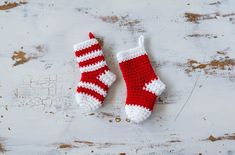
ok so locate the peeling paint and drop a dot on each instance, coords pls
(215, 3)
(174, 141)
(89, 143)
(44, 92)
(9, 5)
(196, 17)
(219, 138)
(196, 35)
(2, 148)
(221, 64)
(64, 146)
(20, 57)
(122, 21)
(97, 144)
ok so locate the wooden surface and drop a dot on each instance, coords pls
(191, 45)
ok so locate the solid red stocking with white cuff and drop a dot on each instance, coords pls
(96, 77)
(143, 85)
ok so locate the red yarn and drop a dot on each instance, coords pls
(96, 78)
(91, 35)
(136, 73)
(143, 85)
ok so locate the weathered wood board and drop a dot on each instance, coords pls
(191, 45)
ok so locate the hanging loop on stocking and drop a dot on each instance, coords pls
(91, 35)
(141, 41)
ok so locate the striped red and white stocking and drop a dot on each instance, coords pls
(96, 77)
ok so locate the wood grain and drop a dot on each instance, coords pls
(191, 47)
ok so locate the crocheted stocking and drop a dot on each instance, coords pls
(96, 78)
(143, 85)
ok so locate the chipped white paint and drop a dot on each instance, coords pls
(37, 98)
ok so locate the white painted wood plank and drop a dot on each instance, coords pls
(38, 112)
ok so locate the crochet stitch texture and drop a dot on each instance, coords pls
(143, 85)
(96, 77)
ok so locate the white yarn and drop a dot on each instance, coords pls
(137, 113)
(155, 86)
(85, 44)
(141, 41)
(132, 53)
(92, 67)
(93, 87)
(107, 78)
(89, 55)
(87, 102)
